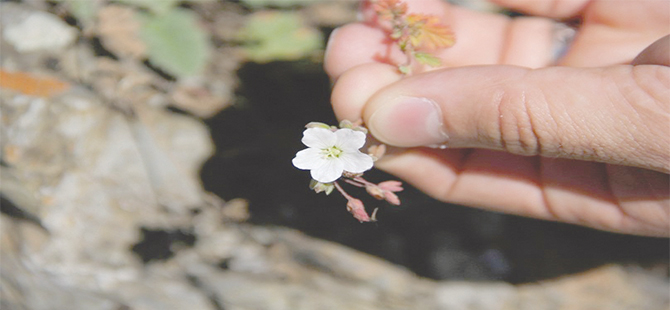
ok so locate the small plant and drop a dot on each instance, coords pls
(175, 42)
(333, 153)
(169, 36)
(277, 35)
(417, 35)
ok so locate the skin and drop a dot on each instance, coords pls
(584, 139)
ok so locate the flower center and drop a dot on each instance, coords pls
(332, 152)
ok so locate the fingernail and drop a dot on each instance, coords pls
(408, 122)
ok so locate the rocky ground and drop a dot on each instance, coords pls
(131, 184)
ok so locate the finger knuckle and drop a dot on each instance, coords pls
(524, 122)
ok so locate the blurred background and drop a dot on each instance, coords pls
(146, 164)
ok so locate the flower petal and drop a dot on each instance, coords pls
(308, 159)
(350, 140)
(329, 171)
(356, 162)
(319, 138)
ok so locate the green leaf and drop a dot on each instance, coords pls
(274, 35)
(175, 42)
(156, 6)
(83, 10)
(427, 59)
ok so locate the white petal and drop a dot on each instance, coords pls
(356, 162)
(350, 140)
(329, 171)
(308, 159)
(319, 138)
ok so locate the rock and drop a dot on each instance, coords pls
(468, 295)
(609, 287)
(32, 31)
(100, 175)
(203, 99)
(27, 286)
(119, 30)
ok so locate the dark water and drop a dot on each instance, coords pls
(257, 138)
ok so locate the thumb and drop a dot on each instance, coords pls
(617, 115)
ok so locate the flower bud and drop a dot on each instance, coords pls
(391, 198)
(375, 191)
(348, 124)
(317, 125)
(391, 186)
(351, 175)
(319, 187)
(356, 208)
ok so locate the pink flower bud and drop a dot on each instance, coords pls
(375, 191)
(356, 208)
(391, 198)
(391, 186)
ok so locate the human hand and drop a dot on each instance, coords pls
(586, 142)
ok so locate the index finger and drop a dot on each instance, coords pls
(481, 38)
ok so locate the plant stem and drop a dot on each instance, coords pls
(354, 183)
(364, 181)
(341, 190)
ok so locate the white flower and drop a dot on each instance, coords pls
(331, 153)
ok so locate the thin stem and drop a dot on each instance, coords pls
(354, 183)
(341, 190)
(364, 181)
(399, 25)
(409, 53)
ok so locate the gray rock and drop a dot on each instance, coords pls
(33, 31)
